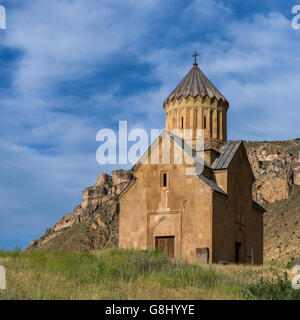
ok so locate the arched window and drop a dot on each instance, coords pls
(204, 123)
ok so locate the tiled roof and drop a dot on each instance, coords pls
(227, 152)
(194, 84)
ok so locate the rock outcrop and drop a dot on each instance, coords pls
(276, 166)
(94, 223)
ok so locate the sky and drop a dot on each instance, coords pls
(69, 68)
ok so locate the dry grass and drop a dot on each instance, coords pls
(248, 273)
(128, 274)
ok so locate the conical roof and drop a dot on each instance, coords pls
(194, 84)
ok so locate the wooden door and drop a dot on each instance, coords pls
(166, 245)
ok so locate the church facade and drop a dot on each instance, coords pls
(208, 216)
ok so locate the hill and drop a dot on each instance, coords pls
(93, 224)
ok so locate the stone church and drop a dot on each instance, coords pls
(208, 216)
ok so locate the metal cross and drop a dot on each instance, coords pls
(195, 55)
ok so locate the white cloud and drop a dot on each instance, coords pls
(208, 11)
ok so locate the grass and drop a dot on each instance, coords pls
(135, 274)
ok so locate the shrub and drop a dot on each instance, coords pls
(275, 289)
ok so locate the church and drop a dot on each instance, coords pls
(205, 217)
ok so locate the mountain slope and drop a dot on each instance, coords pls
(282, 229)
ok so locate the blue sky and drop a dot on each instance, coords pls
(71, 67)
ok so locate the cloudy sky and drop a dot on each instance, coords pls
(71, 67)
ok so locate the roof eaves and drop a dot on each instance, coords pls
(212, 184)
(127, 187)
(257, 206)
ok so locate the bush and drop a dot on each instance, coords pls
(275, 289)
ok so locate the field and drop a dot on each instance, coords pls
(134, 274)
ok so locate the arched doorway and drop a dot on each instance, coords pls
(164, 236)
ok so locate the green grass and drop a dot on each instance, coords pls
(134, 274)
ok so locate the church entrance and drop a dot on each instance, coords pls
(238, 247)
(166, 245)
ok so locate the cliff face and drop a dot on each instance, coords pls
(276, 166)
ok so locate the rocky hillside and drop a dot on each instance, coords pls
(94, 223)
(276, 166)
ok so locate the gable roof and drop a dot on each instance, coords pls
(191, 152)
(227, 152)
(195, 84)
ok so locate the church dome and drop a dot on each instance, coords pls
(194, 84)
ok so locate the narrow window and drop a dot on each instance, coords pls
(164, 180)
(164, 183)
(204, 123)
(182, 123)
